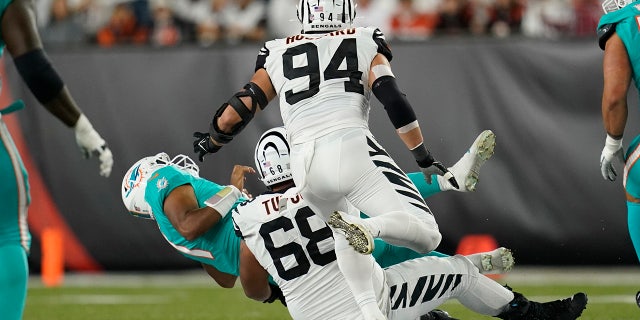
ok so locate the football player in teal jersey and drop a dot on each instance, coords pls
(19, 35)
(191, 212)
(618, 36)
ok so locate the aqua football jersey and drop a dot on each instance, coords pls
(3, 7)
(219, 246)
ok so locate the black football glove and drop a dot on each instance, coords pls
(276, 294)
(203, 145)
(430, 166)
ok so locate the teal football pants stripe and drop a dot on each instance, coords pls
(14, 275)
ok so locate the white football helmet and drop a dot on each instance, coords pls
(614, 5)
(134, 184)
(320, 16)
(272, 157)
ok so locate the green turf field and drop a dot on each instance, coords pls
(193, 296)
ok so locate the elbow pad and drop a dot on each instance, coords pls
(395, 102)
(258, 100)
(38, 73)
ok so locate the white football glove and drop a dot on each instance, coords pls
(91, 143)
(612, 151)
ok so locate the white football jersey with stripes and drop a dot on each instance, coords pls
(296, 247)
(322, 80)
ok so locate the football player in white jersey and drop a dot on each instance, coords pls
(324, 78)
(292, 244)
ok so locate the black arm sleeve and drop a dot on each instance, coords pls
(395, 102)
(38, 73)
(604, 33)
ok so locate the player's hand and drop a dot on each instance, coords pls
(91, 143)
(437, 168)
(276, 294)
(430, 167)
(238, 176)
(203, 145)
(611, 153)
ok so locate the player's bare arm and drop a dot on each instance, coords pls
(253, 277)
(238, 176)
(617, 79)
(224, 280)
(182, 209)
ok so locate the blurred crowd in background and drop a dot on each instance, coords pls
(167, 23)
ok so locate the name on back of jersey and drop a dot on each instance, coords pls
(342, 32)
(271, 205)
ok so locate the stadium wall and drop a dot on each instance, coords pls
(541, 194)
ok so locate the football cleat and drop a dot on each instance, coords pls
(467, 169)
(497, 261)
(638, 298)
(359, 238)
(566, 309)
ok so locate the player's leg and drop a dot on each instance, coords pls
(13, 281)
(377, 186)
(499, 260)
(631, 184)
(315, 171)
(358, 271)
(633, 221)
(466, 170)
(14, 235)
(420, 285)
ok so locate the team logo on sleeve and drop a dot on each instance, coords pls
(162, 183)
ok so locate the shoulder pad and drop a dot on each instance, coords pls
(383, 46)
(262, 57)
(604, 33)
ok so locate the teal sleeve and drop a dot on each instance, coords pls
(426, 190)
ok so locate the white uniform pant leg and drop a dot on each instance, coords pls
(351, 164)
(420, 285)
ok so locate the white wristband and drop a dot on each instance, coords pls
(224, 199)
(612, 145)
(83, 125)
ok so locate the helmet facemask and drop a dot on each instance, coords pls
(272, 157)
(187, 164)
(321, 16)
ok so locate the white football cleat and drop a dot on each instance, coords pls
(497, 261)
(358, 236)
(467, 169)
